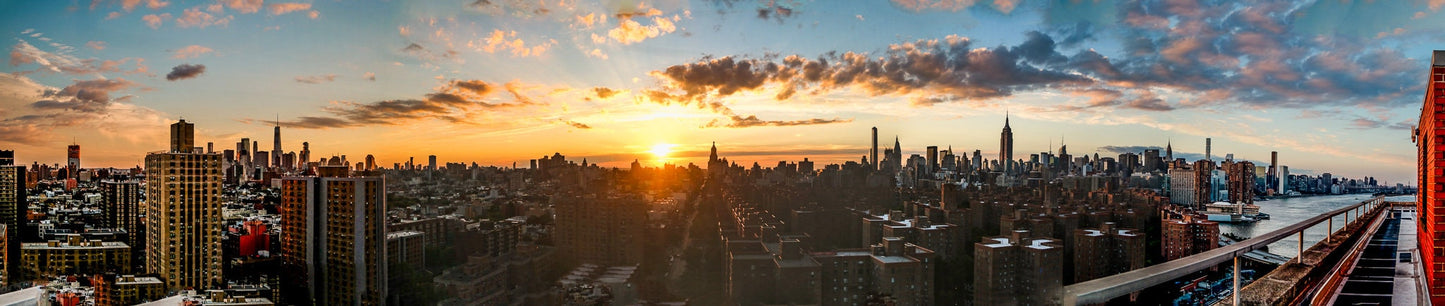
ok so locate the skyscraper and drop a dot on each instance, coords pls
(1006, 144)
(183, 215)
(123, 210)
(873, 154)
(12, 212)
(932, 159)
(431, 163)
(1169, 152)
(72, 160)
(897, 154)
(1208, 145)
(335, 237)
(305, 154)
(276, 148)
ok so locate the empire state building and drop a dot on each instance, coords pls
(1006, 145)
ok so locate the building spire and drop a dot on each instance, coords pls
(1005, 118)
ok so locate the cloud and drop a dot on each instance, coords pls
(925, 5)
(753, 121)
(283, 8)
(521, 8)
(191, 51)
(473, 87)
(604, 92)
(23, 53)
(313, 14)
(32, 114)
(154, 21)
(369, 76)
(630, 31)
(457, 102)
(185, 71)
(575, 124)
(776, 10)
(929, 71)
(316, 79)
(194, 17)
(243, 6)
(1362, 123)
(307, 122)
(423, 53)
(1005, 6)
(97, 45)
(84, 96)
(507, 41)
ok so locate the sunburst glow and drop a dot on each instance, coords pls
(661, 150)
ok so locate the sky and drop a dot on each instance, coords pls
(1333, 86)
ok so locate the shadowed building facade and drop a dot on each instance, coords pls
(1017, 270)
(334, 238)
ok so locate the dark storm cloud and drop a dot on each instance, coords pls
(1076, 34)
(185, 71)
(944, 71)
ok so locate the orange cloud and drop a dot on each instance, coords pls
(194, 17)
(154, 21)
(283, 8)
(244, 6)
(191, 51)
(629, 31)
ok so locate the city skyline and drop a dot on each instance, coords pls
(502, 82)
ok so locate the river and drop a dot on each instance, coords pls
(1284, 212)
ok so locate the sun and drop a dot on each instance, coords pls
(662, 149)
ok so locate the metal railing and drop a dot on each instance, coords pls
(1101, 290)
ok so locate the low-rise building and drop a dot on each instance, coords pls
(75, 256)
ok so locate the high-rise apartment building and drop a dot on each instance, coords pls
(1431, 149)
(12, 213)
(183, 213)
(602, 230)
(1105, 251)
(1017, 270)
(122, 209)
(334, 237)
(1188, 236)
(1241, 181)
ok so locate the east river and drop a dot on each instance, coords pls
(1284, 212)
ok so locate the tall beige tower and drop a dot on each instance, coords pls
(183, 213)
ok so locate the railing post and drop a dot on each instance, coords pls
(1330, 230)
(1236, 279)
(1300, 257)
